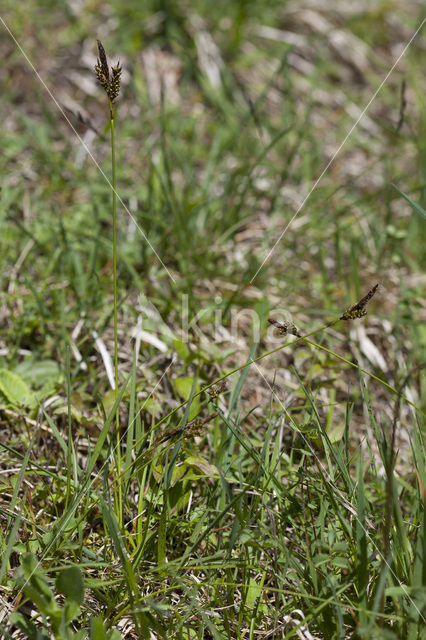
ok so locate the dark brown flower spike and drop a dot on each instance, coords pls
(195, 427)
(111, 85)
(102, 62)
(215, 391)
(358, 310)
(285, 327)
(114, 87)
(189, 430)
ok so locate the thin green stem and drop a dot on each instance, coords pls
(114, 268)
(69, 448)
(114, 240)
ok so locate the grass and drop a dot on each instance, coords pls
(258, 482)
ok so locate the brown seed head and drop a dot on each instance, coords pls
(195, 427)
(359, 310)
(114, 87)
(102, 62)
(285, 327)
(215, 391)
(111, 85)
(102, 79)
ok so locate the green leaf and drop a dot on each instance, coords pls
(108, 401)
(182, 350)
(15, 390)
(341, 562)
(177, 474)
(35, 586)
(38, 373)
(183, 387)
(27, 627)
(202, 465)
(336, 433)
(413, 204)
(254, 591)
(97, 629)
(70, 583)
(162, 538)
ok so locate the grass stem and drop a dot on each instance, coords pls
(119, 498)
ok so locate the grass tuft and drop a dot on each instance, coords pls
(221, 443)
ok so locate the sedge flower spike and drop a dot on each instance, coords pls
(359, 310)
(110, 82)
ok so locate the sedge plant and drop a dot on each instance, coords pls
(110, 82)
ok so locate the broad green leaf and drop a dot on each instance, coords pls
(28, 627)
(15, 391)
(254, 591)
(183, 387)
(70, 583)
(97, 629)
(35, 586)
(336, 433)
(202, 465)
(108, 401)
(38, 373)
(182, 350)
(177, 474)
